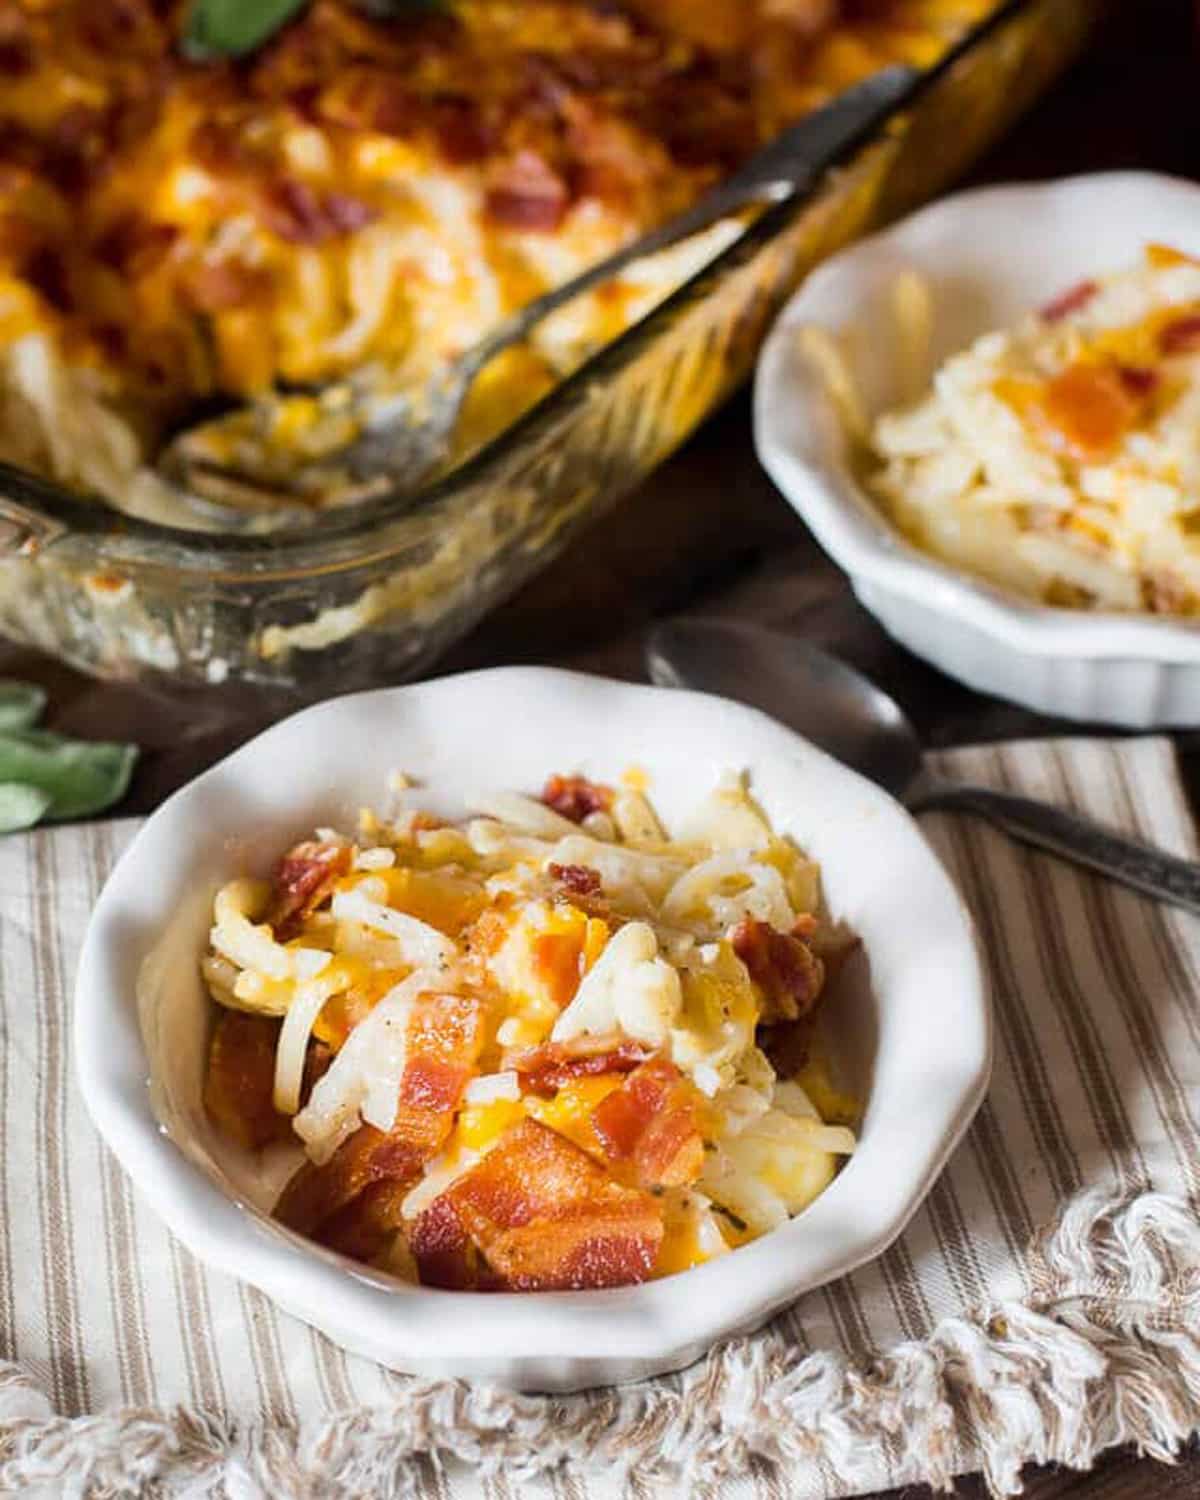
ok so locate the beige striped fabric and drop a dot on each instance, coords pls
(1043, 1304)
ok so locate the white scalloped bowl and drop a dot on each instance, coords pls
(989, 255)
(910, 1026)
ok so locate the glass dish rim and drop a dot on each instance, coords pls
(70, 516)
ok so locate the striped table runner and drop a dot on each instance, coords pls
(1043, 1304)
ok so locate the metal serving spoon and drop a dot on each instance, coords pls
(370, 435)
(845, 714)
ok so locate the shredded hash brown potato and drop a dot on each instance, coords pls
(363, 194)
(1060, 458)
(530, 1051)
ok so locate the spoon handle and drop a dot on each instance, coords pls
(1073, 837)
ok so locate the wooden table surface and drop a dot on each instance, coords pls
(713, 536)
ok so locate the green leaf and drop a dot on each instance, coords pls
(79, 777)
(21, 704)
(231, 28)
(21, 806)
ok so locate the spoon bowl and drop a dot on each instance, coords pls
(820, 697)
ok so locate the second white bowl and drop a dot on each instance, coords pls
(988, 255)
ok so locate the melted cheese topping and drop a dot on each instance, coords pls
(363, 194)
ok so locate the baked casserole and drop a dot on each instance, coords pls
(363, 193)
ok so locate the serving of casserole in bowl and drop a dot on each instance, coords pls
(548, 1047)
(1002, 453)
(551, 1090)
(362, 198)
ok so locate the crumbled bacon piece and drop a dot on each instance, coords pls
(463, 135)
(313, 1195)
(698, 128)
(240, 1082)
(582, 887)
(787, 1044)
(19, 236)
(785, 968)
(580, 880)
(1182, 336)
(137, 245)
(542, 1216)
(443, 1250)
(16, 58)
(368, 98)
(651, 1122)
(371, 98)
(296, 212)
(303, 879)
(78, 130)
(445, 1033)
(526, 193)
(365, 1226)
(545, 1069)
(16, 44)
(432, 1084)
(125, 25)
(1138, 380)
(47, 272)
(575, 797)
(1070, 301)
(609, 156)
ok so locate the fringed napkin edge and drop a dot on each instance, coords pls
(1104, 1352)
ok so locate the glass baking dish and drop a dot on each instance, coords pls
(376, 594)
